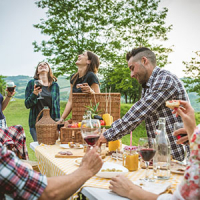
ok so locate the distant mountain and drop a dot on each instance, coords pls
(21, 82)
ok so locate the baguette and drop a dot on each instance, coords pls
(172, 104)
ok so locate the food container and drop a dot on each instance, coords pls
(130, 158)
(115, 145)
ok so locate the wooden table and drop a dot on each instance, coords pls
(51, 166)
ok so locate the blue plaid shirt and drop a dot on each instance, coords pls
(31, 101)
(161, 86)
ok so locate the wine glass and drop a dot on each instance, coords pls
(177, 126)
(39, 84)
(90, 130)
(147, 150)
(11, 87)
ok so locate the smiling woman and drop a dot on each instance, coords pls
(85, 80)
(48, 92)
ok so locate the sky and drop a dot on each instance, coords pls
(17, 34)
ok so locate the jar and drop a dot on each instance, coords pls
(130, 158)
(114, 145)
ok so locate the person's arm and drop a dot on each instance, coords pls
(31, 94)
(124, 187)
(91, 90)
(68, 106)
(64, 186)
(7, 99)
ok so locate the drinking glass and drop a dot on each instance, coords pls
(147, 150)
(11, 87)
(39, 84)
(90, 130)
(177, 126)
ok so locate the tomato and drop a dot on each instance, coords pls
(102, 122)
(75, 125)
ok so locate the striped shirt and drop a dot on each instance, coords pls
(161, 86)
(31, 101)
(16, 181)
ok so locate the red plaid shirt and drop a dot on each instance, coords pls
(15, 135)
(16, 181)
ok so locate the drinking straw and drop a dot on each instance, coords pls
(131, 138)
(110, 100)
(106, 102)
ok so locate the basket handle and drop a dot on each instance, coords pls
(38, 115)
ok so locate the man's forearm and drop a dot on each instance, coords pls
(64, 186)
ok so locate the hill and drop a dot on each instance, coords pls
(21, 82)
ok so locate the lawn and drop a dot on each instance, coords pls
(16, 113)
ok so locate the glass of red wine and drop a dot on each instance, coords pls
(179, 125)
(11, 88)
(39, 84)
(147, 150)
(90, 130)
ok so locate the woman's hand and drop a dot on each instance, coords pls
(86, 88)
(10, 94)
(187, 114)
(36, 90)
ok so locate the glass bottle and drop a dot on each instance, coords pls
(130, 158)
(162, 159)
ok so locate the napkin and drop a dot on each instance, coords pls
(156, 188)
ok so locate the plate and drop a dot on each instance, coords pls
(78, 161)
(175, 166)
(66, 146)
(120, 156)
(109, 165)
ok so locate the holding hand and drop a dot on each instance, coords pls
(37, 90)
(187, 114)
(91, 162)
(86, 88)
(10, 93)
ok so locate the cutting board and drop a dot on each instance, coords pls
(77, 153)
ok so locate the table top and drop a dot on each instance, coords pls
(51, 166)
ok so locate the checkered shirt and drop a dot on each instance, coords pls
(15, 135)
(161, 86)
(3, 123)
(16, 181)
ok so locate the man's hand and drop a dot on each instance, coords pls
(91, 162)
(101, 140)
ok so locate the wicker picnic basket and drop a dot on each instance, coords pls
(46, 128)
(79, 101)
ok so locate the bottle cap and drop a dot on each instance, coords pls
(129, 148)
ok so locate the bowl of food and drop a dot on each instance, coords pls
(110, 170)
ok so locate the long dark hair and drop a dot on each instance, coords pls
(92, 67)
(51, 77)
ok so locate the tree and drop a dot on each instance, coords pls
(2, 85)
(110, 28)
(192, 79)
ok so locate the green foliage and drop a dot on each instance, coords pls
(94, 109)
(2, 85)
(192, 79)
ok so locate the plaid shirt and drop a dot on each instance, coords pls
(31, 101)
(16, 181)
(161, 86)
(15, 135)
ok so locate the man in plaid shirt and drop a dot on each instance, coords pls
(159, 86)
(19, 182)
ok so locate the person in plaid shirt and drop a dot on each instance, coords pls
(159, 85)
(50, 93)
(19, 182)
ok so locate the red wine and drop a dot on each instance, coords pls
(10, 89)
(147, 154)
(92, 139)
(38, 85)
(59, 126)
